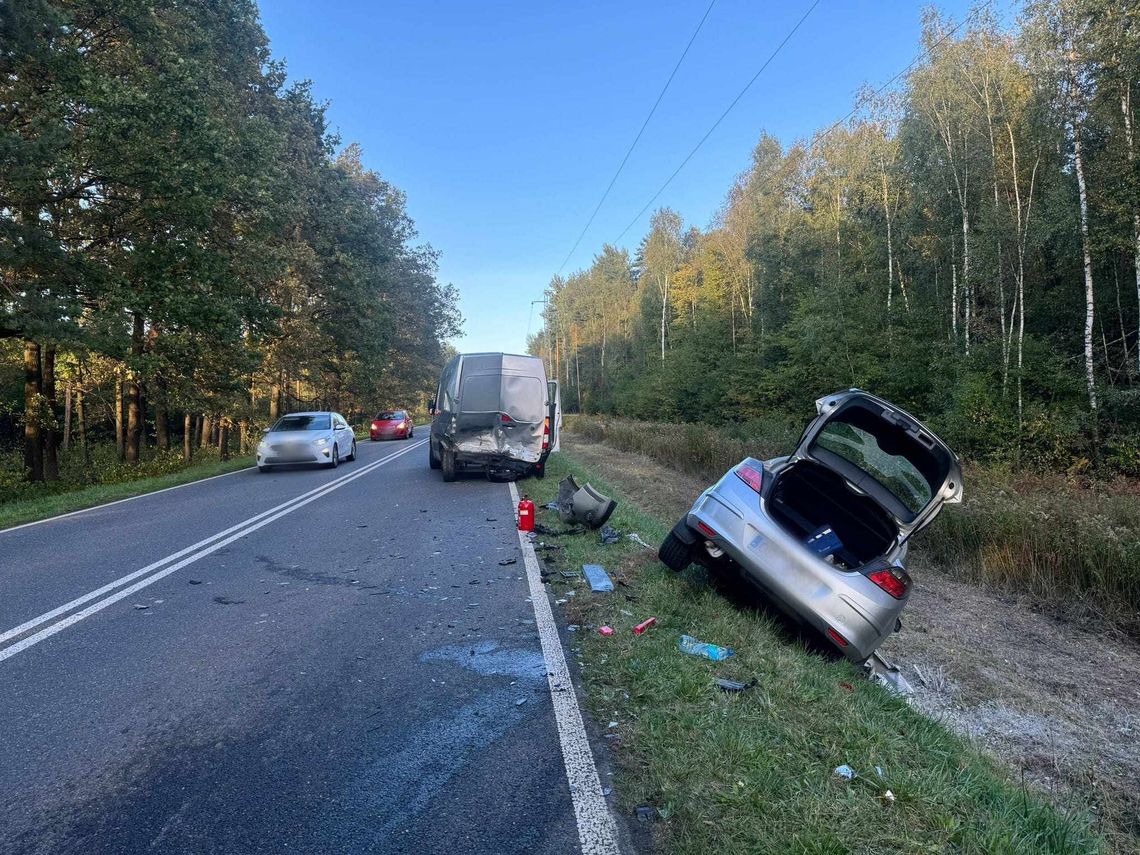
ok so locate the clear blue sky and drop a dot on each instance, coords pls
(503, 122)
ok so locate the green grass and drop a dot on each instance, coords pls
(753, 773)
(35, 508)
(1055, 538)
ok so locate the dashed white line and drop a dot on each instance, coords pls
(597, 833)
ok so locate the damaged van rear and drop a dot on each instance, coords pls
(494, 413)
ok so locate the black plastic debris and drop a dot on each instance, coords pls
(609, 535)
(194, 581)
(645, 813)
(226, 601)
(733, 685)
(505, 561)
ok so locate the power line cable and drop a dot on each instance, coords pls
(716, 124)
(633, 144)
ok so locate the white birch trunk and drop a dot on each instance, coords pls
(1090, 379)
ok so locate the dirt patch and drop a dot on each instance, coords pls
(1055, 702)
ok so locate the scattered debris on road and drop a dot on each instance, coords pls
(141, 606)
(598, 578)
(645, 813)
(880, 670)
(609, 535)
(606, 630)
(636, 538)
(583, 505)
(503, 562)
(644, 625)
(733, 685)
(846, 772)
(194, 581)
(690, 645)
(227, 601)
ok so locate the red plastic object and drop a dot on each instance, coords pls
(606, 630)
(644, 625)
(526, 514)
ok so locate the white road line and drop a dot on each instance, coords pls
(235, 532)
(597, 833)
(120, 501)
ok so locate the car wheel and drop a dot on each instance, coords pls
(433, 460)
(447, 463)
(262, 468)
(674, 553)
(352, 456)
(335, 461)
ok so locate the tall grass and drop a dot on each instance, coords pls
(1053, 538)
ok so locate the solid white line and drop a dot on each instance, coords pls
(245, 528)
(120, 501)
(597, 833)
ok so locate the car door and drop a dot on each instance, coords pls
(343, 435)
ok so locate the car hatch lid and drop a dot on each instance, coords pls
(886, 453)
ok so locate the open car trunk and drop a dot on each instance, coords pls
(815, 505)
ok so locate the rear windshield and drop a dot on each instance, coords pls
(522, 398)
(390, 415)
(886, 452)
(317, 422)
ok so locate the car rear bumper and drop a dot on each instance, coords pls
(822, 595)
(390, 433)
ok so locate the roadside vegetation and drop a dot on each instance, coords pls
(186, 250)
(754, 771)
(1069, 542)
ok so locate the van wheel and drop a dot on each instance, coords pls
(540, 472)
(674, 553)
(433, 458)
(447, 464)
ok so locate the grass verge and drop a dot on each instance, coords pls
(754, 772)
(41, 507)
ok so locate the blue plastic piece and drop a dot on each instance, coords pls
(824, 542)
(597, 577)
(715, 652)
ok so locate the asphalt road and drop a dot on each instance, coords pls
(360, 674)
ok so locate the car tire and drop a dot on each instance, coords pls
(335, 461)
(262, 469)
(447, 464)
(433, 459)
(352, 456)
(674, 553)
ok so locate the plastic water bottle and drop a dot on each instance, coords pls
(715, 652)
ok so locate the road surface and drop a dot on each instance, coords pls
(352, 670)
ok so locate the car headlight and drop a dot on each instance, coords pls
(324, 440)
(262, 447)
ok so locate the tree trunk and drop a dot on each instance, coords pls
(1086, 246)
(81, 417)
(33, 441)
(134, 395)
(67, 400)
(161, 427)
(1126, 109)
(274, 402)
(187, 437)
(224, 439)
(50, 433)
(207, 431)
(243, 436)
(120, 425)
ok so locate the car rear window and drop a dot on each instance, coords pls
(886, 453)
(389, 415)
(315, 422)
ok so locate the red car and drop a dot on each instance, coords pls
(392, 424)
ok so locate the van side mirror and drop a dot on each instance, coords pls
(431, 407)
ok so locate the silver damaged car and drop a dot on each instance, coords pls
(824, 532)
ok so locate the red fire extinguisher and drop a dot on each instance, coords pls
(526, 514)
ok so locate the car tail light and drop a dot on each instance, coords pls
(751, 475)
(505, 419)
(894, 580)
(708, 531)
(546, 433)
(836, 637)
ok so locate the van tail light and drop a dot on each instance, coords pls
(894, 580)
(546, 433)
(751, 475)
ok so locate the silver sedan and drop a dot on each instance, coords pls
(318, 437)
(824, 531)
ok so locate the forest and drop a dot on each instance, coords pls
(186, 251)
(966, 244)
